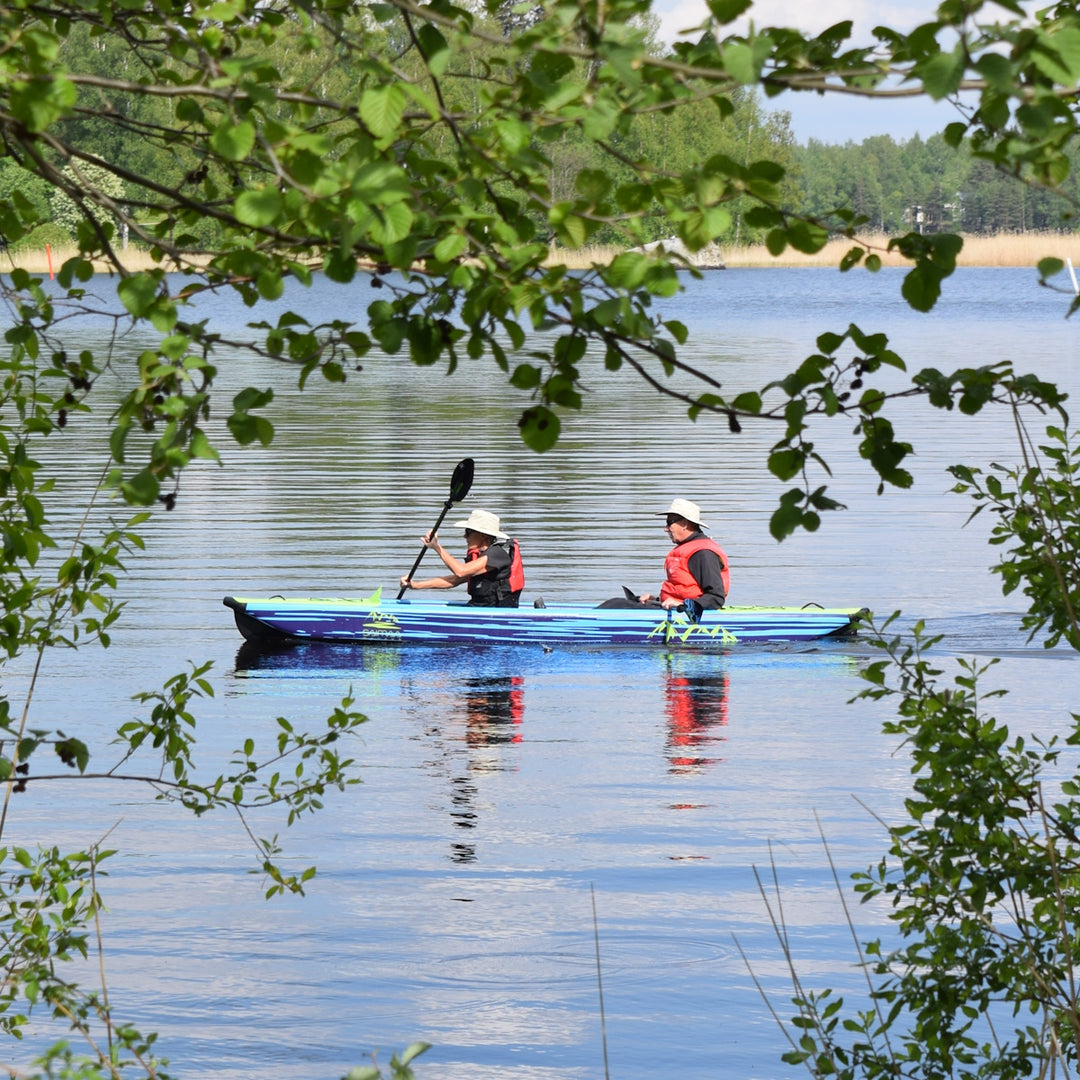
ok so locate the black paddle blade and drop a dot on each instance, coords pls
(462, 479)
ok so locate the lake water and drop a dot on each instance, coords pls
(504, 788)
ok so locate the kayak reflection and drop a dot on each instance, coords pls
(695, 707)
(489, 713)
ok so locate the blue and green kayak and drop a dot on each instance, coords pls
(375, 621)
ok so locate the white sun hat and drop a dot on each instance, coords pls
(688, 510)
(482, 521)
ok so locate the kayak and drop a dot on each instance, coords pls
(375, 621)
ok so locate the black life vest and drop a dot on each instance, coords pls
(497, 587)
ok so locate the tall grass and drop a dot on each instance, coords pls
(41, 261)
(1006, 249)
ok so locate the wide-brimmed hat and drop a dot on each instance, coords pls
(482, 521)
(686, 509)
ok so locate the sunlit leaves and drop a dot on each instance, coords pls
(233, 141)
(942, 73)
(259, 207)
(381, 109)
(39, 103)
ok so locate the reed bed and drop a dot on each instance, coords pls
(40, 261)
(1012, 249)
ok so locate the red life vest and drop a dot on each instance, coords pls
(497, 588)
(680, 583)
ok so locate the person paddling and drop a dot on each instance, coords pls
(492, 570)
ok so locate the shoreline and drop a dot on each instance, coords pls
(1003, 250)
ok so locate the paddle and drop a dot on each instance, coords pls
(460, 483)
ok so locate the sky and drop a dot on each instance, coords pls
(831, 118)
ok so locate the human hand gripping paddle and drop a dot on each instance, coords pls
(460, 483)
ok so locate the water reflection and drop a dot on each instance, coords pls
(490, 711)
(494, 709)
(696, 706)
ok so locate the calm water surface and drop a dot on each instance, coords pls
(502, 787)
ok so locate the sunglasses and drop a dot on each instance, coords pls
(672, 519)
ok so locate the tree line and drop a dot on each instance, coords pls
(891, 185)
(924, 185)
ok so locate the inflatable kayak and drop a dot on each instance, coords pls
(374, 621)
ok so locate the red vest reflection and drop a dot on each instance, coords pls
(494, 709)
(695, 707)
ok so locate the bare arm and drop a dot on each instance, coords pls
(459, 571)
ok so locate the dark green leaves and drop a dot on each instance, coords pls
(727, 11)
(246, 428)
(935, 259)
(539, 428)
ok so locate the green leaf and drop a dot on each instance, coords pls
(1049, 267)
(726, 11)
(414, 1050)
(72, 752)
(233, 141)
(382, 108)
(941, 74)
(393, 223)
(138, 293)
(786, 518)
(202, 448)
(435, 49)
(1057, 55)
(142, 489)
(258, 208)
(39, 104)
(739, 63)
(252, 398)
(921, 286)
(784, 463)
(525, 377)
(539, 428)
(450, 247)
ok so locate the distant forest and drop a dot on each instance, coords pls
(917, 185)
(925, 186)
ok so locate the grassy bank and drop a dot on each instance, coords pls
(1014, 249)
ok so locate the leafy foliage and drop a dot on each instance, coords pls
(442, 150)
(1037, 508)
(980, 877)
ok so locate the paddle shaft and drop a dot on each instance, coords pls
(416, 565)
(460, 483)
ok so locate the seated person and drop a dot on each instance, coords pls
(492, 570)
(696, 567)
